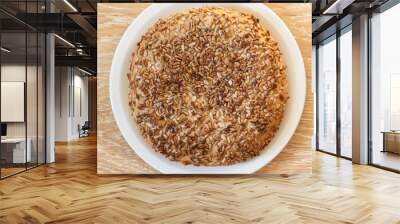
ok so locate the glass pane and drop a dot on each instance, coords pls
(13, 89)
(314, 82)
(41, 99)
(31, 100)
(327, 96)
(22, 89)
(346, 93)
(385, 114)
(32, 88)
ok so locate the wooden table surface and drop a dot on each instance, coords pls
(114, 156)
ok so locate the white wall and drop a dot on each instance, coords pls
(71, 87)
(80, 109)
(12, 73)
(33, 127)
(50, 95)
(62, 81)
(13, 101)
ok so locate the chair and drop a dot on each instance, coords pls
(84, 130)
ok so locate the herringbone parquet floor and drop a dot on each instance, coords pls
(69, 191)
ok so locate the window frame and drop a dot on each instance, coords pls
(337, 35)
(27, 29)
(381, 9)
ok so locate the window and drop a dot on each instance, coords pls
(394, 116)
(314, 91)
(22, 77)
(346, 92)
(385, 89)
(327, 96)
(334, 106)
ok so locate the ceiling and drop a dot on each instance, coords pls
(332, 15)
(76, 22)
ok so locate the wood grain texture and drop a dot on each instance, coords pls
(70, 191)
(115, 155)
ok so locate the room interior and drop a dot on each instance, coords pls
(25, 68)
(22, 102)
(334, 77)
(49, 124)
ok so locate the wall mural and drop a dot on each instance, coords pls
(204, 88)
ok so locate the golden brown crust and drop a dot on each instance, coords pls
(208, 86)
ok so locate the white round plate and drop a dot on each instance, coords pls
(119, 88)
